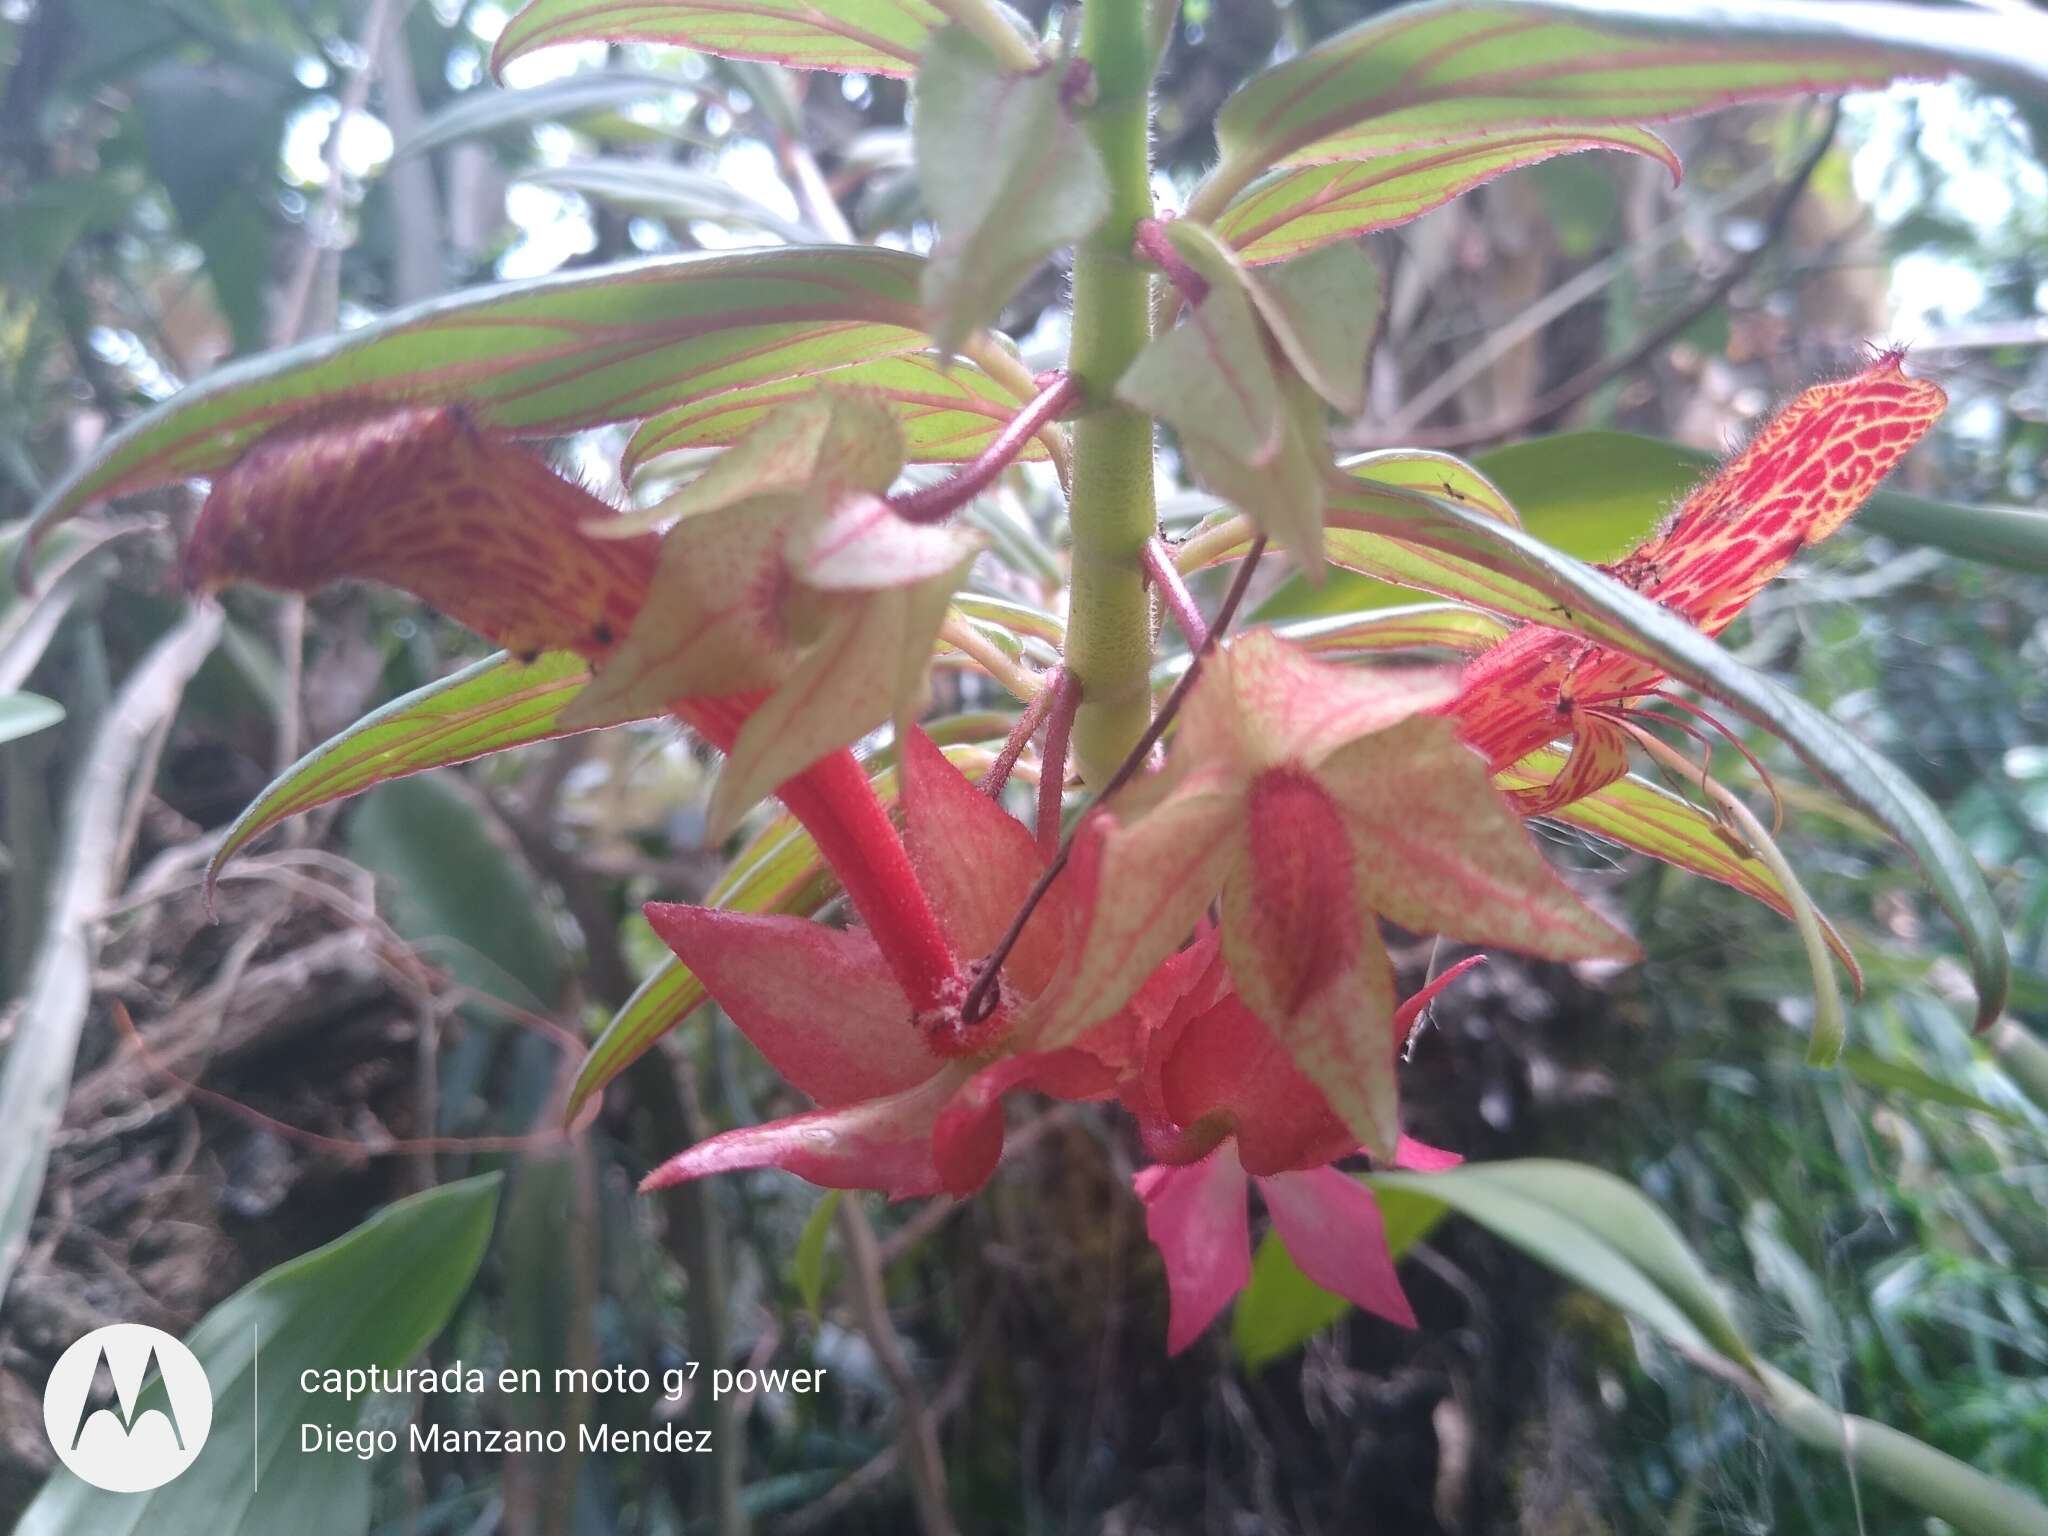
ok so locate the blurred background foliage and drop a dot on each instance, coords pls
(187, 181)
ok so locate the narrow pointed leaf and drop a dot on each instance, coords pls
(483, 111)
(1300, 209)
(1452, 71)
(496, 704)
(1602, 1233)
(1006, 171)
(542, 357)
(23, 714)
(663, 190)
(946, 415)
(1901, 1077)
(1595, 1229)
(876, 37)
(1444, 626)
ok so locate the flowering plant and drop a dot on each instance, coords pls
(1191, 924)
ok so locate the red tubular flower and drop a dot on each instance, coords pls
(425, 500)
(1227, 1109)
(908, 1113)
(1805, 475)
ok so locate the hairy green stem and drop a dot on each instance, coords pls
(1109, 627)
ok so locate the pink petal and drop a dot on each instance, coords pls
(1195, 1215)
(1441, 852)
(1305, 951)
(967, 1139)
(883, 1144)
(862, 545)
(819, 1003)
(1423, 1158)
(1228, 1065)
(1262, 702)
(1331, 1225)
(977, 862)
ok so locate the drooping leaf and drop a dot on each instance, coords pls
(1602, 1233)
(453, 888)
(1297, 210)
(1591, 1227)
(373, 1298)
(1624, 482)
(1900, 1077)
(495, 704)
(23, 714)
(876, 37)
(1007, 173)
(947, 414)
(663, 190)
(547, 356)
(482, 111)
(1449, 72)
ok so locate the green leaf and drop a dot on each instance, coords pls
(877, 37)
(1463, 555)
(1450, 72)
(1595, 1229)
(666, 191)
(483, 111)
(1297, 210)
(1281, 1309)
(808, 1266)
(1900, 1077)
(485, 708)
(451, 886)
(23, 714)
(1614, 486)
(1444, 626)
(542, 357)
(1373, 572)
(373, 1298)
(1007, 173)
(947, 414)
